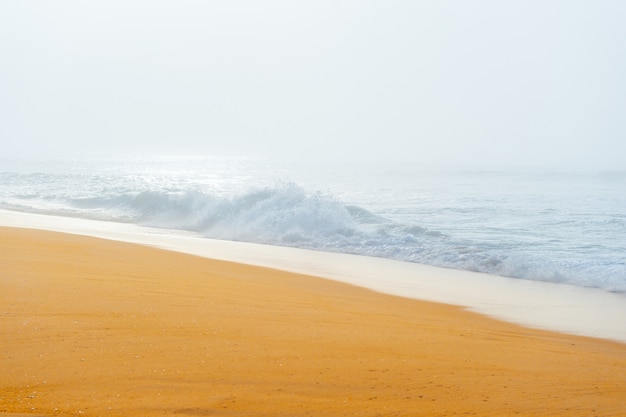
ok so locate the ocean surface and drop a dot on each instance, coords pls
(543, 225)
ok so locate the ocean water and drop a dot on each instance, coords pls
(567, 227)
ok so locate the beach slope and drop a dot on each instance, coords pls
(94, 327)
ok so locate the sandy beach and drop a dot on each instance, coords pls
(101, 328)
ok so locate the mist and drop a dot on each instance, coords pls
(437, 83)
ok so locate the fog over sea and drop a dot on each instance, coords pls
(558, 226)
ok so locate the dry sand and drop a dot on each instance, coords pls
(90, 327)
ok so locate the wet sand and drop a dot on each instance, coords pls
(101, 328)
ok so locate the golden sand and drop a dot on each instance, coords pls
(91, 327)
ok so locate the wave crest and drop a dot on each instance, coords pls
(267, 215)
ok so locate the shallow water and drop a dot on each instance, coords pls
(537, 225)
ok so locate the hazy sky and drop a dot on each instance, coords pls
(493, 82)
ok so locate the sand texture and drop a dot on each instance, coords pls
(90, 327)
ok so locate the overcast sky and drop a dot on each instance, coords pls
(492, 82)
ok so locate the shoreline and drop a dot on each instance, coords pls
(108, 328)
(550, 306)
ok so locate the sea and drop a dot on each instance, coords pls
(531, 224)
